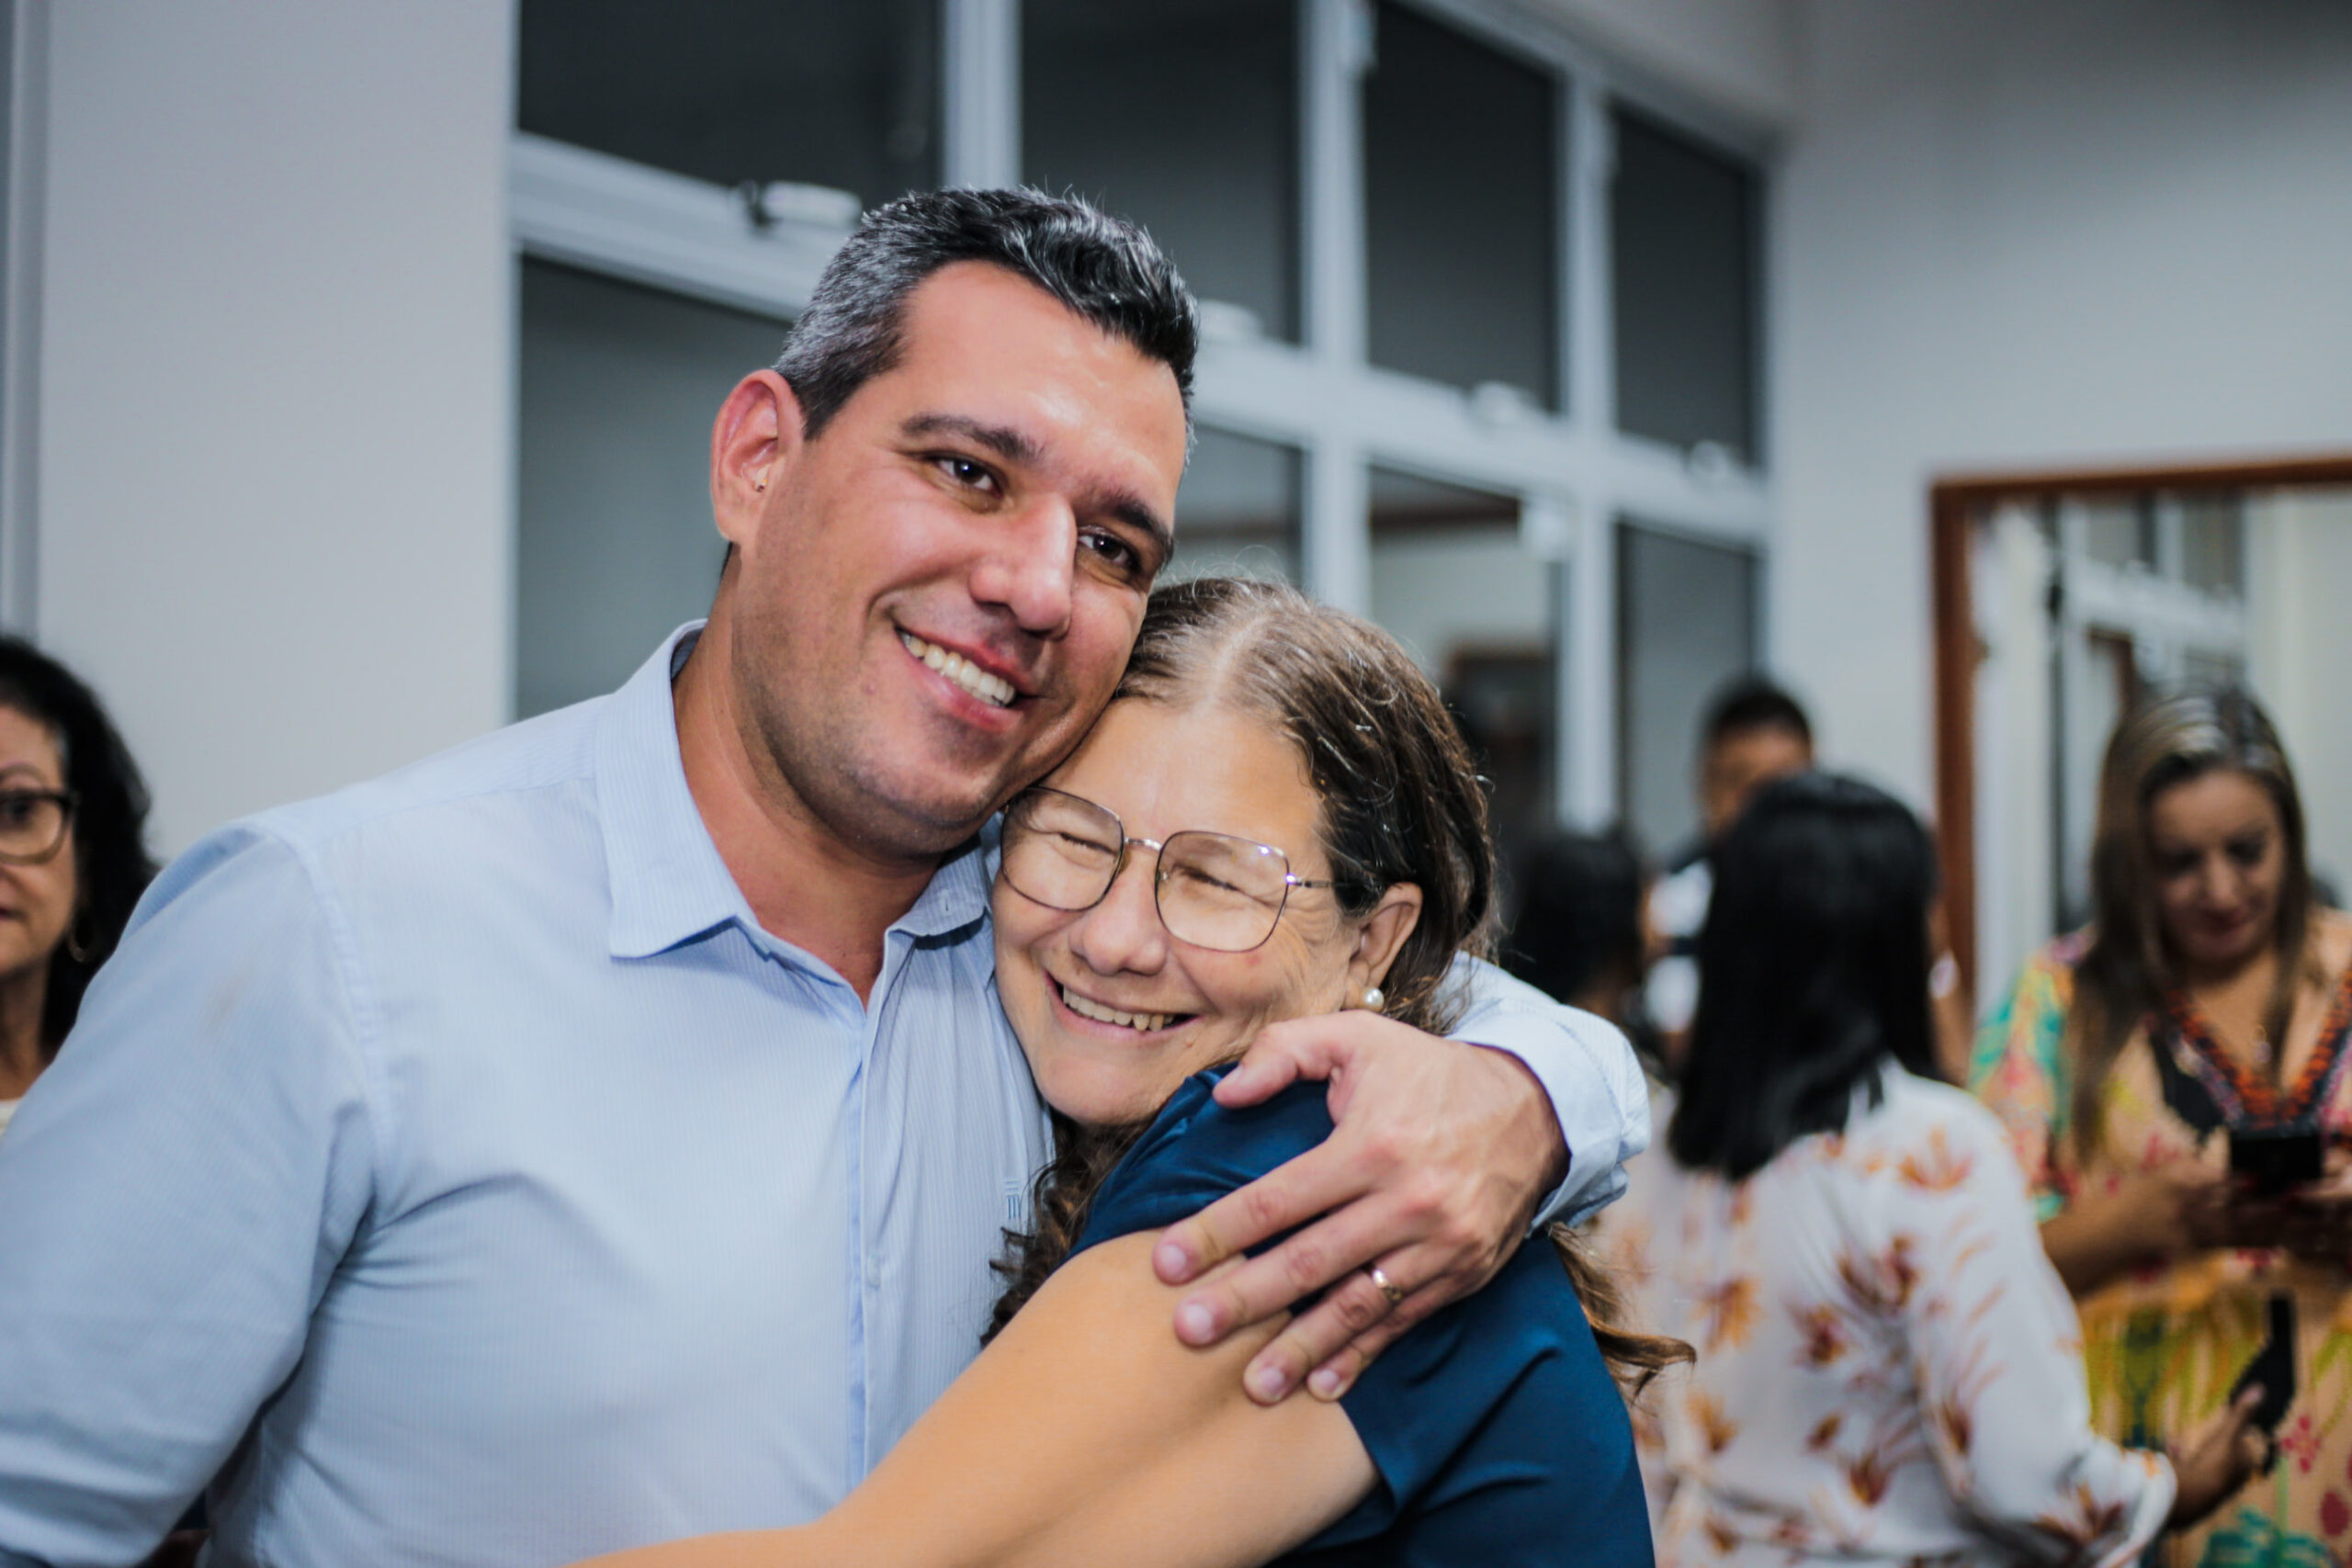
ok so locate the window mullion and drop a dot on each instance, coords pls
(982, 93)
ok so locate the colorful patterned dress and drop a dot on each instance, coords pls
(1888, 1371)
(2163, 1345)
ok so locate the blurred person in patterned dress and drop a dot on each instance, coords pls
(1889, 1370)
(2211, 992)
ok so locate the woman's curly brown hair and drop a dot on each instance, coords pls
(1402, 802)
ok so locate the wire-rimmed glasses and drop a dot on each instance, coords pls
(33, 824)
(1213, 890)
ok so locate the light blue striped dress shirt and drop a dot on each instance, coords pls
(451, 1170)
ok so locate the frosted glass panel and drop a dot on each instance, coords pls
(1683, 241)
(1238, 512)
(1183, 116)
(2119, 531)
(1450, 580)
(1686, 624)
(2212, 544)
(815, 91)
(619, 389)
(1461, 210)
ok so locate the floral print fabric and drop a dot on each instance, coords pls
(2164, 1345)
(1889, 1368)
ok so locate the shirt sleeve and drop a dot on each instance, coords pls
(1586, 1067)
(174, 1197)
(1996, 1349)
(2019, 1070)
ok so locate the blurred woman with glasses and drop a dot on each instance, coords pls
(73, 856)
(1274, 817)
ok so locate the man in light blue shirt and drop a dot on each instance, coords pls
(600, 1132)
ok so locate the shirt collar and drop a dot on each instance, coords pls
(669, 883)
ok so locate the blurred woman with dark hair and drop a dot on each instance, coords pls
(1579, 935)
(2211, 996)
(73, 855)
(1888, 1367)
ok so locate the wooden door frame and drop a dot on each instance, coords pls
(1955, 504)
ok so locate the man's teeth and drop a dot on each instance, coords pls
(962, 671)
(1150, 1022)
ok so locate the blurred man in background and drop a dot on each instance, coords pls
(1755, 732)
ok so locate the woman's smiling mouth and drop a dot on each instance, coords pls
(1099, 1012)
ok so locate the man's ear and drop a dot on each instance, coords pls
(758, 433)
(1382, 932)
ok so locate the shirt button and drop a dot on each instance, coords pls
(874, 1273)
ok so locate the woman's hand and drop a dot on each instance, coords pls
(2315, 1222)
(2215, 1457)
(2149, 1214)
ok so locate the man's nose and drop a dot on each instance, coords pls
(1030, 567)
(1122, 932)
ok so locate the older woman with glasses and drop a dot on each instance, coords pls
(73, 856)
(1274, 817)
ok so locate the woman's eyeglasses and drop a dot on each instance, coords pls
(33, 823)
(1213, 890)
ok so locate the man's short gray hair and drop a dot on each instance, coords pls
(1105, 269)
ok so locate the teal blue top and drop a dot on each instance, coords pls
(1497, 1434)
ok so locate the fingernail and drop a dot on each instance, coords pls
(1268, 1382)
(1324, 1383)
(1195, 1324)
(1170, 1262)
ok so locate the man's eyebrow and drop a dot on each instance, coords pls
(1137, 514)
(1002, 440)
(1014, 447)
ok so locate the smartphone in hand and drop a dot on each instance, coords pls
(2275, 1158)
(2274, 1368)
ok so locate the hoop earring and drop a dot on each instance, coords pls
(82, 949)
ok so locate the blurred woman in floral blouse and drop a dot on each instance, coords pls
(2212, 993)
(1888, 1367)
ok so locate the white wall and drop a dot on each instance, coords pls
(1741, 55)
(275, 386)
(2015, 232)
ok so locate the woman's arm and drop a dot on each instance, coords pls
(1085, 1433)
(1994, 1345)
(2148, 1216)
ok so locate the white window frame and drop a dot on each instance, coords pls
(1574, 474)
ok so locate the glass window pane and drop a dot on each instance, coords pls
(2213, 543)
(1461, 210)
(1686, 623)
(2119, 531)
(1238, 512)
(733, 90)
(2107, 688)
(1183, 116)
(2211, 669)
(619, 389)
(1452, 581)
(1683, 276)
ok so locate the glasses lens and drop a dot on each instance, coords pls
(1221, 893)
(1059, 850)
(32, 826)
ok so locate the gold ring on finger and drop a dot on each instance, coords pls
(1388, 1287)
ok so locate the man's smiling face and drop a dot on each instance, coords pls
(935, 596)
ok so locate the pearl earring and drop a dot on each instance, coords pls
(1372, 999)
